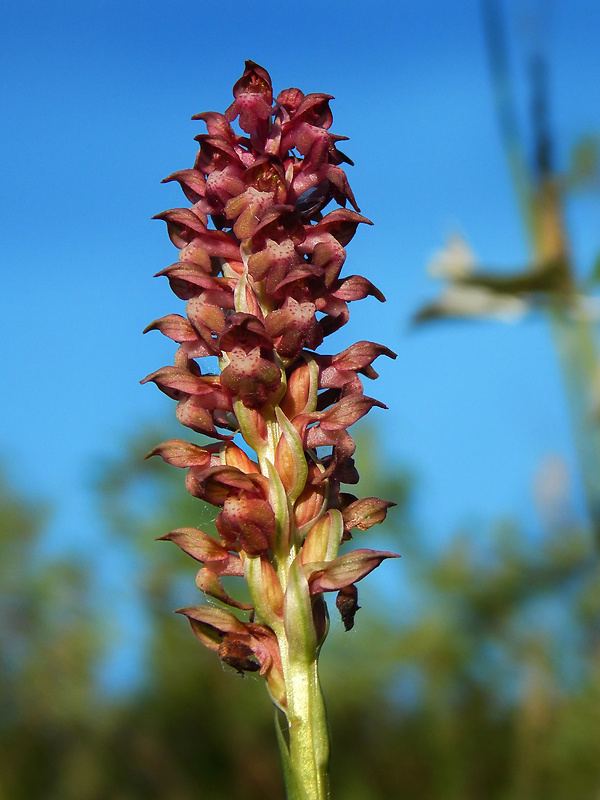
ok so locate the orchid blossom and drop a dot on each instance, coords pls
(259, 268)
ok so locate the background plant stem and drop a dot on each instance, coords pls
(541, 202)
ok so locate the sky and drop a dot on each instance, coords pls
(96, 103)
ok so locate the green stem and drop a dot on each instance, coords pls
(305, 750)
(304, 745)
(576, 349)
(542, 207)
(573, 337)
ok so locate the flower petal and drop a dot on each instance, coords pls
(198, 545)
(365, 513)
(180, 453)
(344, 570)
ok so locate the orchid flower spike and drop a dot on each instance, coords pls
(260, 270)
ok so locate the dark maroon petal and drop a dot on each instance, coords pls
(360, 355)
(337, 315)
(216, 484)
(187, 280)
(177, 382)
(238, 655)
(274, 261)
(217, 125)
(347, 604)
(180, 453)
(192, 413)
(340, 466)
(365, 513)
(211, 624)
(356, 288)
(341, 370)
(294, 327)
(279, 222)
(346, 412)
(342, 223)
(182, 225)
(192, 181)
(200, 545)
(174, 326)
(249, 519)
(207, 580)
(251, 377)
(328, 255)
(207, 320)
(314, 108)
(255, 80)
(290, 99)
(216, 153)
(253, 97)
(344, 570)
(339, 179)
(244, 331)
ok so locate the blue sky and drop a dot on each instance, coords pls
(96, 102)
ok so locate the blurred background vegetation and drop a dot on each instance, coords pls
(480, 679)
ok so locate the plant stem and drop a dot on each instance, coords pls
(306, 752)
(574, 341)
(541, 203)
(576, 351)
(304, 745)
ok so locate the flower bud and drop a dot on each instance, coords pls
(324, 538)
(301, 392)
(310, 505)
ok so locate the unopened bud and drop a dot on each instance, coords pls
(310, 505)
(323, 539)
(301, 392)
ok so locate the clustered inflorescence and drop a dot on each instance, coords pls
(259, 269)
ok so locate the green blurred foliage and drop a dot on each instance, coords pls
(479, 678)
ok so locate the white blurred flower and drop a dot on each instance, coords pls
(473, 301)
(586, 308)
(454, 261)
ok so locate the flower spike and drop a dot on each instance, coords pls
(259, 267)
